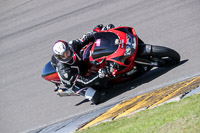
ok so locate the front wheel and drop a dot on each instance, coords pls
(158, 56)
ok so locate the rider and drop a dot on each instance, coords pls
(67, 60)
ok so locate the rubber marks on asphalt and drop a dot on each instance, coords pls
(145, 101)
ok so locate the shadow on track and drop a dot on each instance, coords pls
(149, 76)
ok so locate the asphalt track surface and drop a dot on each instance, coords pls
(28, 28)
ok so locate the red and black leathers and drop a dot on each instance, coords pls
(71, 74)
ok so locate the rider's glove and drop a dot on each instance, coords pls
(89, 37)
(101, 73)
(104, 73)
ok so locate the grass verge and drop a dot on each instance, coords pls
(176, 117)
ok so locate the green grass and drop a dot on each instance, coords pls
(176, 117)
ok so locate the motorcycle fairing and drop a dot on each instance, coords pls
(123, 52)
(104, 44)
(120, 54)
(49, 73)
(127, 30)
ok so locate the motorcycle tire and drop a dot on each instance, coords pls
(165, 57)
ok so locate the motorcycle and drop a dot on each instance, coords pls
(122, 53)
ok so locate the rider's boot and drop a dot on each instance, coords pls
(88, 92)
(107, 27)
(110, 26)
(91, 94)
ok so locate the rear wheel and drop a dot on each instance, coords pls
(158, 56)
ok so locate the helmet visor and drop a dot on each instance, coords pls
(66, 56)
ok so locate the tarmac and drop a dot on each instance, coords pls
(29, 28)
(127, 107)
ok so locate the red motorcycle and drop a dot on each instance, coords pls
(123, 53)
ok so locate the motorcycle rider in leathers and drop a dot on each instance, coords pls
(70, 68)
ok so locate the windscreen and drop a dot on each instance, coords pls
(104, 44)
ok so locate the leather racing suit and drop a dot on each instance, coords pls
(71, 75)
